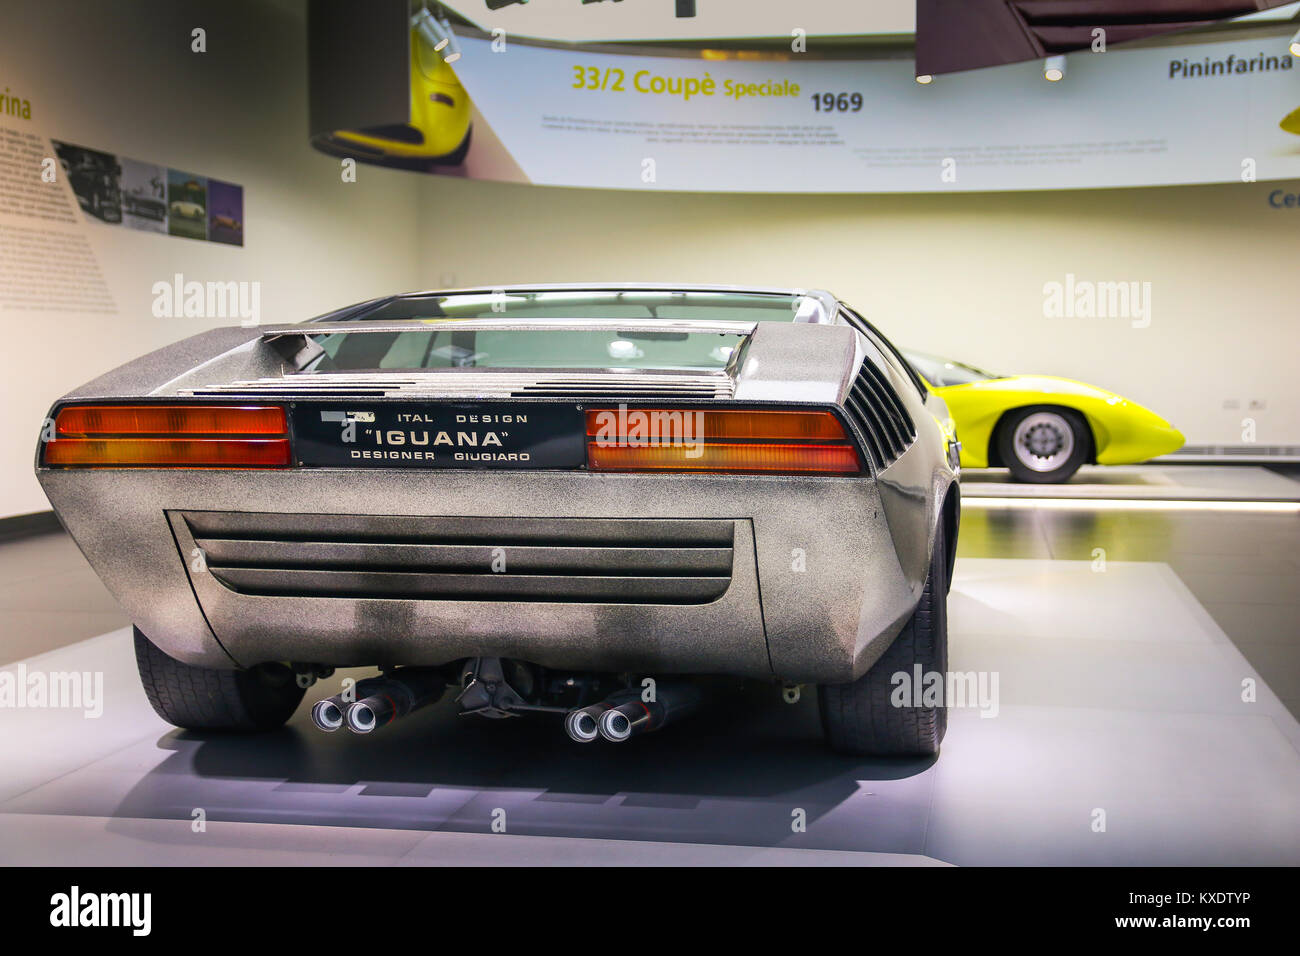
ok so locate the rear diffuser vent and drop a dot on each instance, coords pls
(674, 561)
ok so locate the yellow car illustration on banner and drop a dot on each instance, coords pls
(1040, 427)
(1291, 122)
(438, 131)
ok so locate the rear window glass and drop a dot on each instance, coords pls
(941, 372)
(526, 348)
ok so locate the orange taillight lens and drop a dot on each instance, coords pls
(761, 424)
(169, 436)
(168, 453)
(758, 441)
(88, 420)
(786, 458)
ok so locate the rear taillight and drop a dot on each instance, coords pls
(759, 441)
(169, 436)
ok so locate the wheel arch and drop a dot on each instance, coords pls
(995, 456)
(950, 521)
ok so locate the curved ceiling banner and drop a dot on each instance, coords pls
(603, 21)
(1212, 112)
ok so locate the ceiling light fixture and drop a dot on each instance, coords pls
(1054, 69)
(926, 79)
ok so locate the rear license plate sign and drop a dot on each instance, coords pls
(476, 435)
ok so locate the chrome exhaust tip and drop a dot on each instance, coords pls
(361, 717)
(583, 725)
(615, 726)
(327, 715)
(391, 697)
(675, 699)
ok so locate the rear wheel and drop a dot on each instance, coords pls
(1043, 445)
(861, 718)
(205, 698)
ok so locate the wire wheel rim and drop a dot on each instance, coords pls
(1043, 441)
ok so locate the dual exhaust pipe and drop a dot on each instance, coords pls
(378, 701)
(626, 714)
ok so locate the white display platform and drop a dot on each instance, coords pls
(1142, 483)
(1117, 692)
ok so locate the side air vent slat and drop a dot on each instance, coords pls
(890, 430)
(670, 561)
(880, 416)
(892, 407)
(870, 425)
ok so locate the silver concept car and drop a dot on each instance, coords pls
(578, 500)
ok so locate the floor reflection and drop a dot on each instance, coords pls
(734, 774)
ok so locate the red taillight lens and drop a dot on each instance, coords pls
(759, 441)
(169, 436)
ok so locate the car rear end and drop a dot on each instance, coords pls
(741, 498)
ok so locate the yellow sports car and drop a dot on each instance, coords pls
(438, 132)
(1040, 427)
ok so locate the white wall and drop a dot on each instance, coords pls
(959, 275)
(121, 77)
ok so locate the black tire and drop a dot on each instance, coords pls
(1073, 448)
(205, 698)
(859, 718)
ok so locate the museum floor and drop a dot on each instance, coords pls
(1121, 622)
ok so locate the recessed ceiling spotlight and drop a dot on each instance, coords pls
(925, 79)
(1054, 69)
(1295, 44)
(437, 34)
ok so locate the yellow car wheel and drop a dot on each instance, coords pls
(1043, 444)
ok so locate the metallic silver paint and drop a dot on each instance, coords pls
(865, 540)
